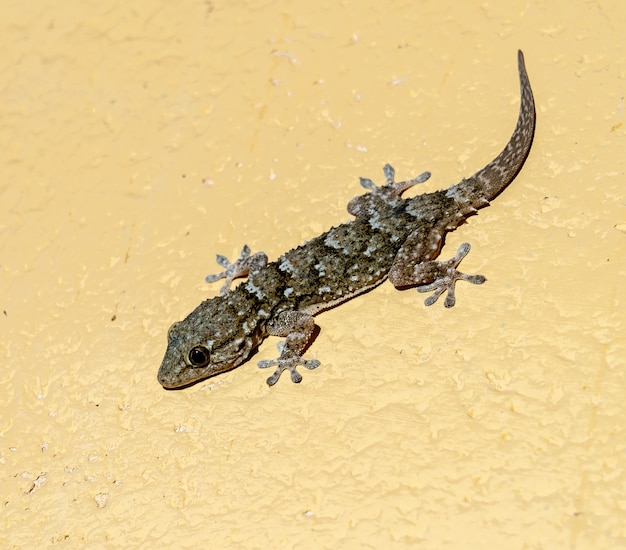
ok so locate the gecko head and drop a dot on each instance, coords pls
(210, 341)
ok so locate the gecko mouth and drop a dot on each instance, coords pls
(188, 375)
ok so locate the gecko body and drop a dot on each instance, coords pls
(390, 238)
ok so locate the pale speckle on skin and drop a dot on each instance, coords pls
(253, 289)
(332, 242)
(370, 250)
(286, 265)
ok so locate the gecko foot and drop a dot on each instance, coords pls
(388, 194)
(447, 276)
(392, 188)
(242, 266)
(289, 363)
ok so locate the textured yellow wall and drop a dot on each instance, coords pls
(138, 139)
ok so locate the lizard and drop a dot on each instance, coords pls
(390, 238)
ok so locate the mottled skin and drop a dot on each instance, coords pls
(390, 238)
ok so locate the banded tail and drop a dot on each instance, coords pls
(486, 184)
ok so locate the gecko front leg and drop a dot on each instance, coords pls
(241, 267)
(298, 327)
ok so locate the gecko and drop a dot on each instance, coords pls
(390, 238)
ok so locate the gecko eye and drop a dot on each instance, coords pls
(199, 356)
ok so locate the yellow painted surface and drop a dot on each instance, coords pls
(138, 139)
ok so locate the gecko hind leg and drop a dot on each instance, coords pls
(371, 204)
(242, 266)
(445, 276)
(392, 188)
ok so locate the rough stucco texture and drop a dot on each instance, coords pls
(139, 139)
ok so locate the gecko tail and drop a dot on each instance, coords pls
(486, 184)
